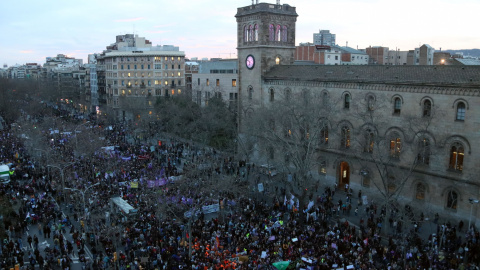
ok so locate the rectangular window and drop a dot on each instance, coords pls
(179, 82)
(135, 67)
(234, 82)
(121, 66)
(142, 66)
(218, 82)
(208, 82)
(198, 81)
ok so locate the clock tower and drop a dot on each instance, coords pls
(265, 37)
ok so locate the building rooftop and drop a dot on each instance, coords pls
(468, 62)
(416, 75)
(284, 9)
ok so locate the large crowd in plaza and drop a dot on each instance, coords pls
(250, 233)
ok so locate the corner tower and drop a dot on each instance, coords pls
(265, 37)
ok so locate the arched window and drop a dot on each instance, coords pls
(420, 191)
(397, 106)
(250, 92)
(324, 135)
(460, 111)
(427, 108)
(369, 141)
(345, 137)
(288, 94)
(423, 156)
(325, 99)
(271, 32)
(370, 102)
(272, 94)
(395, 145)
(278, 33)
(256, 33)
(277, 60)
(457, 153)
(245, 33)
(347, 100)
(284, 34)
(452, 198)
(250, 34)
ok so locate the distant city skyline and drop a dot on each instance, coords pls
(33, 30)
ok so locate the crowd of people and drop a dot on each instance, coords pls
(249, 233)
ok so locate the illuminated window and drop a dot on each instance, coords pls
(178, 58)
(369, 141)
(345, 137)
(218, 82)
(234, 82)
(278, 33)
(277, 60)
(179, 74)
(324, 135)
(395, 146)
(208, 82)
(179, 91)
(322, 167)
(166, 82)
(173, 92)
(128, 74)
(457, 154)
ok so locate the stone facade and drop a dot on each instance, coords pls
(440, 158)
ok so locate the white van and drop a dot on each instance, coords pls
(4, 174)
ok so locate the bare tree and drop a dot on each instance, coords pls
(291, 130)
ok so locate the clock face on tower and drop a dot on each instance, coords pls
(250, 61)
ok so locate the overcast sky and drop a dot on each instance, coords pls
(32, 30)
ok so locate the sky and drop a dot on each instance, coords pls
(33, 30)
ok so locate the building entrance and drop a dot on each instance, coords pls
(344, 175)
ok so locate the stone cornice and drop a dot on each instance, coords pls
(406, 88)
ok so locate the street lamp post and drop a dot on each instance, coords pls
(61, 169)
(83, 196)
(472, 201)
